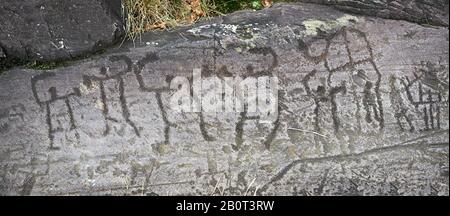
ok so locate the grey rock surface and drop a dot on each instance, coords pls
(428, 12)
(363, 110)
(2, 54)
(46, 30)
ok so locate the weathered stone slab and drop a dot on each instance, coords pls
(426, 12)
(363, 110)
(46, 30)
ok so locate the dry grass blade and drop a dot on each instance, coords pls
(266, 3)
(196, 10)
(159, 25)
(146, 15)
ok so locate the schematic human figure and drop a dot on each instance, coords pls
(323, 100)
(370, 103)
(112, 97)
(58, 110)
(326, 112)
(402, 112)
(425, 91)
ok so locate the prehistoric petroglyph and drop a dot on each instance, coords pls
(346, 74)
(352, 69)
(245, 115)
(344, 86)
(426, 92)
(227, 94)
(62, 127)
(117, 92)
(111, 87)
(402, 114)
(58, 109)
(138, 70)
(354, 97)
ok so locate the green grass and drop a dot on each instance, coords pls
(229, 6)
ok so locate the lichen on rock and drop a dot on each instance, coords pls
(313, 26)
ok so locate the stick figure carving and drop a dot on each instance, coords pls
(115, 95)
(59, 115)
